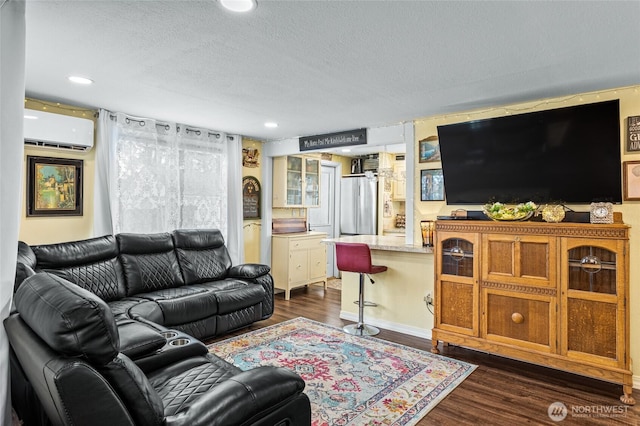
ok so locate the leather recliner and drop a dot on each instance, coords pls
(67, 343)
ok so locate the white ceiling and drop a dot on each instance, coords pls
(324, 66)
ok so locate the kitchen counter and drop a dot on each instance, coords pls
(376, 242)
(399, 291)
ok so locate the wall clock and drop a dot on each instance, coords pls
(601, 213)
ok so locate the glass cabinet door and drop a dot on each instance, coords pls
(312, 182)
(457, 257)
(294, 181)
(592, 269)
(593, 276)
(457, 282)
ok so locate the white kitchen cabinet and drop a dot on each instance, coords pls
(297, 260)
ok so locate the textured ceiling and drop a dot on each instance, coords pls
(323, 66)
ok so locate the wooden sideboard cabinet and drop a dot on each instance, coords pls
(553, 294)
(298, 259)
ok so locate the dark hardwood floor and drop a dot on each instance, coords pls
(499, 392)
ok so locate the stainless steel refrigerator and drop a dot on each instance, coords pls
(358, 206)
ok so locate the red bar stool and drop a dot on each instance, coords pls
(356, 257)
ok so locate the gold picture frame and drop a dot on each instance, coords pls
(631, 180)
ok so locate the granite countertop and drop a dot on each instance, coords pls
(376, 242)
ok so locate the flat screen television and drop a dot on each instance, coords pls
(566, 155)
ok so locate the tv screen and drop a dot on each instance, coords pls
(565, 155)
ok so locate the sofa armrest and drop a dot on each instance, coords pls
(138, 339)
(248, 270)
(242, 399)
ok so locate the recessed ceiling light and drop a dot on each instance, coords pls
(345, 150)
(79, 80)
(239, 5)
(271, 125)
(30, 117)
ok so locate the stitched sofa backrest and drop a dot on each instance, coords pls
(202, 254)
(149, 262)
(92, 264)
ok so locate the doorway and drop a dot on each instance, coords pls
(324, 218)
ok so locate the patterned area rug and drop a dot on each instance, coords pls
(350, 380)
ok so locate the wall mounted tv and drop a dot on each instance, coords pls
(567, 155)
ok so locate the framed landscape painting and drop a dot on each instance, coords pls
(431, 185)
(429, 150)
(54, 186)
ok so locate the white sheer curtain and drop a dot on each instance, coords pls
(156, 177)
(203, 163)
(12, 64)
(146, 190)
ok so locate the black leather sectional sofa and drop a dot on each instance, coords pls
(183, 280)
(106, 331)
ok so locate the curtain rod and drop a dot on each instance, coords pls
(142, 123)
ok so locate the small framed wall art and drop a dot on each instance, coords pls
(431, 185)
(631, 180)
(54, 186)
(429, 150)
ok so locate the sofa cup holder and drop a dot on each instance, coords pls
(180, 342)
(169, 334)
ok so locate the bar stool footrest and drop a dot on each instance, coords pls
(368, 304)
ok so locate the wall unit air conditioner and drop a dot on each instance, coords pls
(51, 130)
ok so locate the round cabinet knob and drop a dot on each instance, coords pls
(517, 317)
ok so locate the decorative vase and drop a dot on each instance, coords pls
(427, 227)
(553, 213)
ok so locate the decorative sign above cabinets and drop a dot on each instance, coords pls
(334, 140)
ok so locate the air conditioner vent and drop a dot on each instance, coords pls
(57, 131)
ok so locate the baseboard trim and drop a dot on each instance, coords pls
(387, 325)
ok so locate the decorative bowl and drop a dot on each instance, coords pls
(508, 216)
(501, 212)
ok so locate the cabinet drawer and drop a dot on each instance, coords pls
(521, 319)
(304, 243)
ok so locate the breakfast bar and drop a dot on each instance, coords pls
(399, 292)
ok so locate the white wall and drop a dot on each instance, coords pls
(12, 64)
